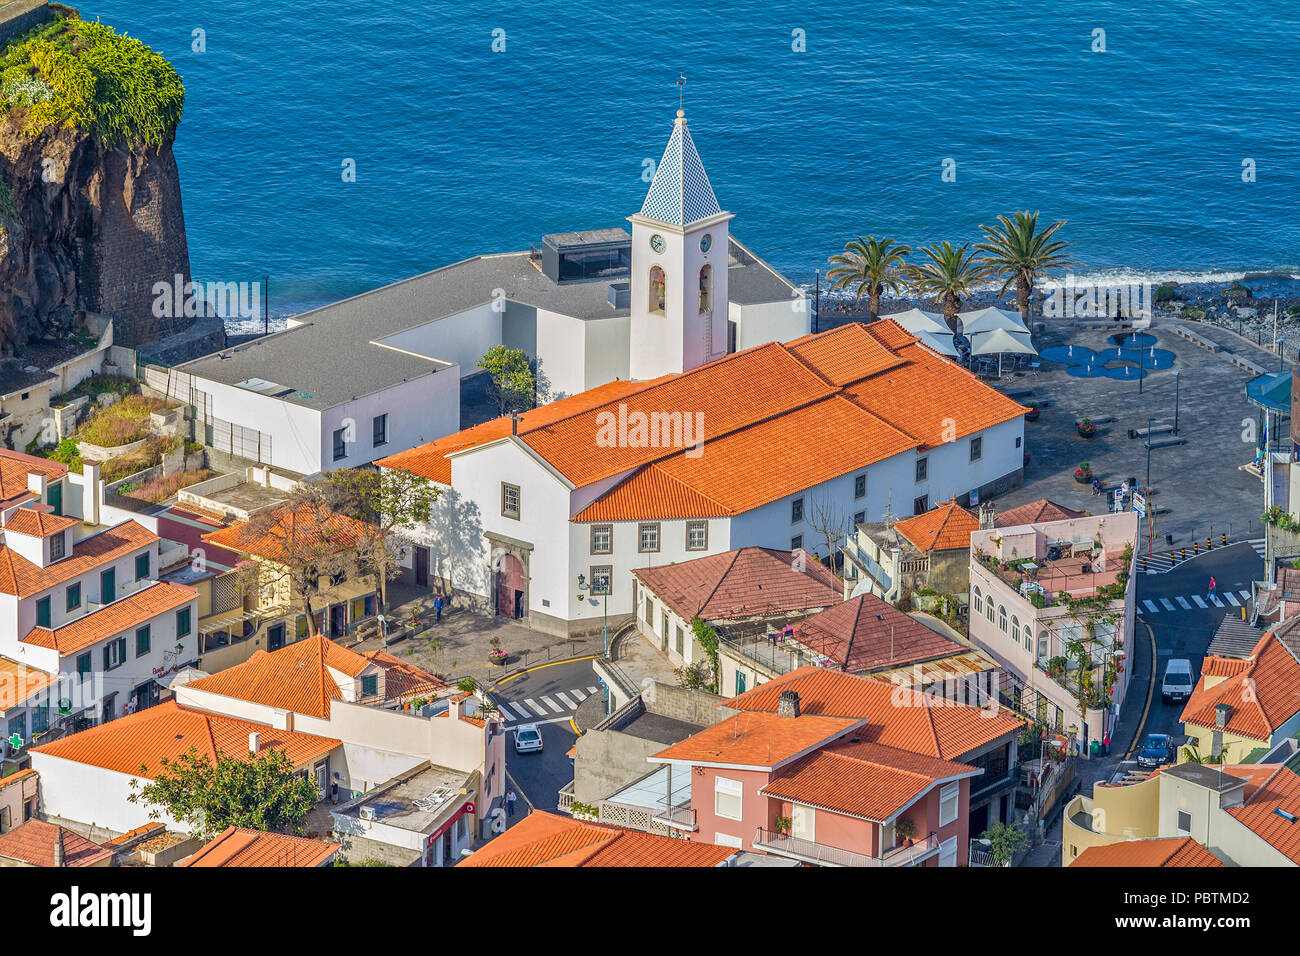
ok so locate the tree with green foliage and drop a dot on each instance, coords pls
(1017, 250)
(262, 792)
(871, 265)
(511, 378)
(707, 638)
(949, 276)
(1005, 841)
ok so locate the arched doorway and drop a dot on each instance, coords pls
(510, 587)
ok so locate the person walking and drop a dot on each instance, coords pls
(510, 803)
(1210, 591)
(437, 609)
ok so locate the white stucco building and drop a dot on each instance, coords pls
(761, 448)
(381, 372)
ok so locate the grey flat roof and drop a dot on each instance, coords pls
(330, 357)
(1206, 776)
(397, 806)
(660, 729)
(1234, 638)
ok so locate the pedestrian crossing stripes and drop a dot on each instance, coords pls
(1224, 599)
(543, 708)
(1160, 563)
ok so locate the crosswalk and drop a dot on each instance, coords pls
(545, 708)
(1160, 562)
(1220, 599)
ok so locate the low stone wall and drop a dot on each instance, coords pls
(19, 16)
(683, 703)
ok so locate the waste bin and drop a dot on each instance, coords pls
(1094, 748)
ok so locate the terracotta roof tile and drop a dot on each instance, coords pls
(170, 730)
(1263, 691)
(1281, 791)
(15, 777)
(20, 577)
(944, 527)
(1173, 851)
(757, 739)
(34, 842)
(548, 839)
(38, 524)
(862, 779)
(297, 677)
(15, 467)
(741, 582)
(845, 354)
(896, 716)
(18, 682)
(240, 846)
(1034, 512)
(285, 531)
(865, 633)
(112, 619)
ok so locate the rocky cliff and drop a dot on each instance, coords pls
(90, 207)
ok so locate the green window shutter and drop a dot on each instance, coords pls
(107, 655)
(370, 686)
(183, 622)
(43, 612)
(142, 566)
(142, 641)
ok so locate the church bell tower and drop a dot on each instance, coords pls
(679, 266)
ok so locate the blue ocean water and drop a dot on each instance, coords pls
(461, 150)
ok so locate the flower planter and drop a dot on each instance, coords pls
(497, 658)
(1083, 478)
(1031, 415)
(1086, 431)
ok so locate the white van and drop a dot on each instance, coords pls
(1178, 682)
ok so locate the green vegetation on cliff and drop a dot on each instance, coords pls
(78, 74)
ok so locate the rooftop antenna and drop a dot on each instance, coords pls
(681, 82)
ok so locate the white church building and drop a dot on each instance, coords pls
(381, 372)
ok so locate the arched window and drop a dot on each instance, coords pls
(1029, 639)
(658, 289)
(988, 608)
(706, 289)
(1002, 617)
(1044, 646)
(976, 603)
(1015, 628)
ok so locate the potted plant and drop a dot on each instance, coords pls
(906, 830)
(1032, 414)
(1086, 428)
(497, 655)
(783, 825)
(1083, 474)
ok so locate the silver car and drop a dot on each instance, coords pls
(527, 738)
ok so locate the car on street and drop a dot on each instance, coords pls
(1178, 683)
(1156, 750)
(527, 738)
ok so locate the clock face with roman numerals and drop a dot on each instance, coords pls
(657, 243)
(706, 241)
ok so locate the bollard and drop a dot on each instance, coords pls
(1196, 547)
(1144, 565)
(1224, 540)
(1172, 560)
(1209, 543)
(1184, 554)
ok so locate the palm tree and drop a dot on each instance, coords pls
(949, 276)
(1018, 251)
(871, 264)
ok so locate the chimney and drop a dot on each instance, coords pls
(788, 704)
(454, 706)
(987, 516)
(254, 742)
(514, 423)
(58, 846)
(1222, 712)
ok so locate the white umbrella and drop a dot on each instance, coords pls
(987, 320)
(941, 343)
(1001, 341)
(914, 320)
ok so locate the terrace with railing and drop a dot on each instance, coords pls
(823, 854)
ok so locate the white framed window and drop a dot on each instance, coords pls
(697, 536)
(648, 537)
(803, 823)
(726, 839)
(948, 798)
(1002, 617)
(948, 852)
(976, 602)
(727, 794)
(1184, 822)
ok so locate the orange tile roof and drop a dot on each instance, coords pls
(22, 578)
(240, 846)
(944, 527)
(1034, 512)
(762, 463)
(15, 467)
(16, 776)
(776, 419)
(742, 582)
(865, 633)
(403, 679)
(757, 739)
(896, 716)
(297, 677)
(34, 842)
(552, 840)
(284, 531)
(113, 619)
(862, 779)
(1172, 851)
(18, 683)
(170, 730)
(38, 524)
(1280, 791)
(1262, 691)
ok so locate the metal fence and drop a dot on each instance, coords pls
(217, 433)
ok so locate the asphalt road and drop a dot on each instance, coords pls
(1187, 633)
(549, 688)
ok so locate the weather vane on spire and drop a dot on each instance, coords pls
(681, 82)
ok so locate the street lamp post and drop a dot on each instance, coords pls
(1176, 380)
(604, 607)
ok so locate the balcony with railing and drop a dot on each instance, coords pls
(679, 818)
(822, 854)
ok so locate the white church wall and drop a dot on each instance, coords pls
(562, 350)
(418, 411)
(461, 338)
(607, 351)
(771, 322)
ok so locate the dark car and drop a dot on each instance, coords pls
(1158, 749)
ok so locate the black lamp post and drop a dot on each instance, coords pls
(1177, 378)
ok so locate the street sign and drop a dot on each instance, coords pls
(1140, 504)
